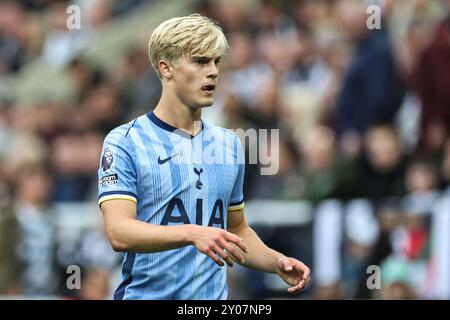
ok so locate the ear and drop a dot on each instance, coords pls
(165, 69)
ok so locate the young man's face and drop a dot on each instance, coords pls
(195, 79)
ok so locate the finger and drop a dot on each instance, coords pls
(238, 241)
(297, 287)
(294, 289)
(303, 269)
(232, 250)
(308, 276)
(213, 256)
(285, 265)
(242, 245)
(224, 256)
(306, 273)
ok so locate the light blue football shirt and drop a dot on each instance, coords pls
(173, 178)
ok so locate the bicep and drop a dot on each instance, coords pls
(117, 210)
(236, 220)
(119, 215)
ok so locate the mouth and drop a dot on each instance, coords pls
(209, 88)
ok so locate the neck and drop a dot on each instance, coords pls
(174, 112)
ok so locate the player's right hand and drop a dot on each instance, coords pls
(216, 242)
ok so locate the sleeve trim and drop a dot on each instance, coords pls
(236, 203)
(236, 206)
(116, 195)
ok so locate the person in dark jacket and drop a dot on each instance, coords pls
(371, 91)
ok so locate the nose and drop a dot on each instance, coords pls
(213, 70)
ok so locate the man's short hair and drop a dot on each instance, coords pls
(193, 35)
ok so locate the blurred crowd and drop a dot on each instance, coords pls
(364, 119)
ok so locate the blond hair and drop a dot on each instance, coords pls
(193, 35)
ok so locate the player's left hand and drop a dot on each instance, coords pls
(293, 272)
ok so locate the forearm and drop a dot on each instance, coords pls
(259, 256)
(132, 235)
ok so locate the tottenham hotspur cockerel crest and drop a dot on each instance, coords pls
(107, 159)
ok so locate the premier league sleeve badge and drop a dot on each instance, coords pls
(107, 159)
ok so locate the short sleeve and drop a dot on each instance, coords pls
(117, 170)
(237, 195)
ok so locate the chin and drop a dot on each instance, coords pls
(206, 103)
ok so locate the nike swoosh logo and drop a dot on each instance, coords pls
(162, 161)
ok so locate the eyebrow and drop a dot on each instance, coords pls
(206, 58)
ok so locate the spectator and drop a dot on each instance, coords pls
(37, 232)
(371, 91)
(9, 240)
(431, 80)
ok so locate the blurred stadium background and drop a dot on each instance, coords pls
(364, 119)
